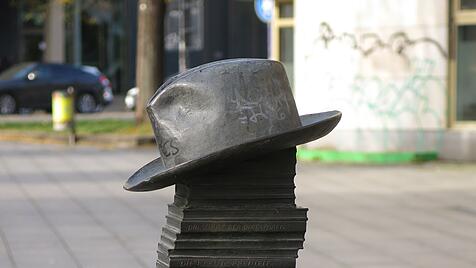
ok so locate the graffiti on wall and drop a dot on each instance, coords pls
(390, 84)
(367, 43)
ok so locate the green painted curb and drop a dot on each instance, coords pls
(329, 156)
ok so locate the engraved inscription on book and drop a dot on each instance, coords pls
(224, 263)
(242, 227)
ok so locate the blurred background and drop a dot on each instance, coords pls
(394, 185)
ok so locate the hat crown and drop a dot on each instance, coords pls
(220, 105)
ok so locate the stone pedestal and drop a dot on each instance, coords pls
(242, 215)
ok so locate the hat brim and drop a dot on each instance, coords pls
(155, 175)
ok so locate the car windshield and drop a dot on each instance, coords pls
(17, 71)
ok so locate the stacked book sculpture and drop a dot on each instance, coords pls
(242, 215)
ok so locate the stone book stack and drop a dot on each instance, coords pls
(242, 215)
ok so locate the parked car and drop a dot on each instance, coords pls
(30, 85)
(131, 96)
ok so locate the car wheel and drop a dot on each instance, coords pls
(8, 104)
(86, 103)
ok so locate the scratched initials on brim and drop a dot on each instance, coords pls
(168, 148)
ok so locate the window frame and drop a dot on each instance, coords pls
(277, 24)
(458, 17)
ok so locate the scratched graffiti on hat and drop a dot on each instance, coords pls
(252, 110)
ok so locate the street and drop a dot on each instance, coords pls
(65, 207)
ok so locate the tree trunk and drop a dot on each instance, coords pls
(150, 44)
(54, 32)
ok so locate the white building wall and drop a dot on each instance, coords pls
(383, 63)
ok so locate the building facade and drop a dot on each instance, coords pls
(401, 71)
(106, 34)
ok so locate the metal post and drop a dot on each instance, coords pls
(77, 35)
(182, 45)
(72, 125)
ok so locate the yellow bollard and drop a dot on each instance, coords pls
(63, 112)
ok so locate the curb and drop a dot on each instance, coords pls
(100, 140)
(330, 156)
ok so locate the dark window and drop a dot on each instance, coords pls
(192, 12)
(286, 10)
(468, 4)
(286, 51)
(43, 72)
(466, 76)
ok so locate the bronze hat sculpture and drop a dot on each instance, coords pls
(221, 112)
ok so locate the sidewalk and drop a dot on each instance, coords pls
(46, 117)
(65, 207)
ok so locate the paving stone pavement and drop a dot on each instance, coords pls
(65, 207)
